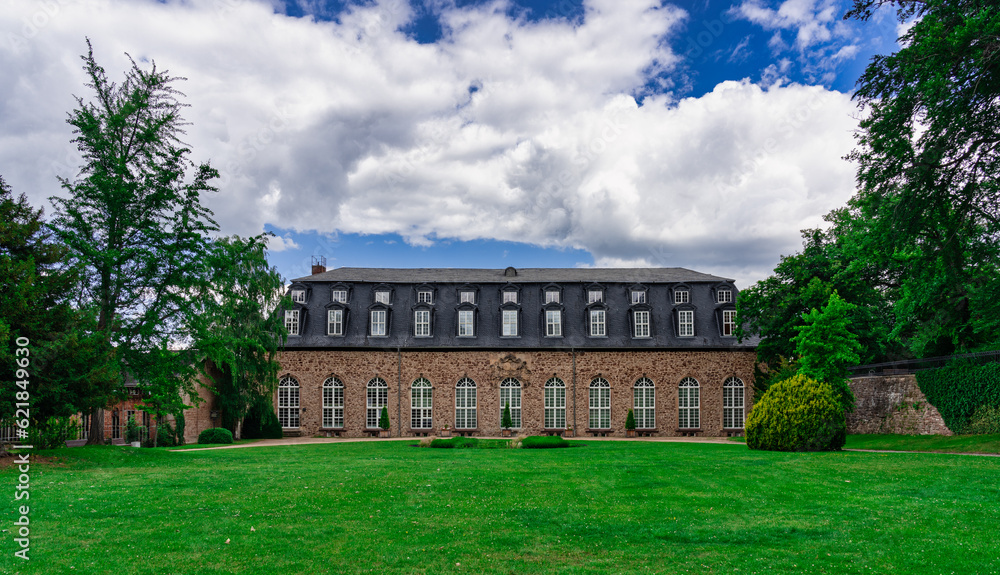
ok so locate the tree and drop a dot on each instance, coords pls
(237, 328)
(826, 347)
(506, 421)
(133, 221)
(929, 170)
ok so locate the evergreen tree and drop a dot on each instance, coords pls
(826, 347)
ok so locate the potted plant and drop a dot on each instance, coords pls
(630, 424)
(383, 422)
(446, 431)
(569, 431)
(506, 422)
(133, 432)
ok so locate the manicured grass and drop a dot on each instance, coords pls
(204, 445)
(612, 507)
(941, 443)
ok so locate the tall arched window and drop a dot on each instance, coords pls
(688, 404)
(732, 403)
(510, 392)
(644, 403)
(288, 402)
(555, 404)
(420, 404)
(378, 397)
(600, 404)
(333, 402)
(465, 404)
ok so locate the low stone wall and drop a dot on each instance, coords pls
(893, 404)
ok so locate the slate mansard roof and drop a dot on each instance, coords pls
(530, 284)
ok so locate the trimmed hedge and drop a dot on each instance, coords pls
(959, 389)
(543, 442)
(215, 435)
(798, 414)
(455, 442)
(262, 423)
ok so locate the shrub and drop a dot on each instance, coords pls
(543, 442)
(506, 421)
(959, 389)
(798, 414)
(383, 419)
(215, 435)
(133, 431)
(457, 442)
(52, 433)
(630, 420)
(261, 423)
(986, 420)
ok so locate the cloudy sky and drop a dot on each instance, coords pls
(463, 133)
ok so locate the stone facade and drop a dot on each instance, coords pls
(532, 368)
(893, 404)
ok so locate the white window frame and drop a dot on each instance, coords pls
(510, 391)
(509, 296)
(725, 295)
(600, 404)
(425, 296)
(555, 404)
(595, 296)
(422, 323)
(689, 404)
(552, 296)
(299, 295)
(638, 296)
(467, 297)
(466, 416)
(682, 296)
(466, 323)
(335, 322)
(338, 295)
(509, 320)
(728, 322)
(641, 320)
(288, 402)
(685, 323)
(421, 404)
(644, 403)
(382, 296)
(598, 323)
(292, 321)
(377, 323)
(333, 403)
(733, 403)
(377, 398)
(553, 323)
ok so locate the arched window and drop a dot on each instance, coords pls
(688, 404)
(510, 392)
(600, 404)
(288, 402)
(420, 404)
(644, 403)
(378, 397)
(333, 403)
(555, 404)
(732, 403)
(465, 404)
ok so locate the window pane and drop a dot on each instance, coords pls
(681, 296)
(378, 397)
(424, 297)
(288, 402)
(382, 297)
(298, 295)
(467, 297)
(638, 296)
(594, 296)
(641, 324)
(555, 404)
(553, 323)
(510, 297)
(551, 296)
(339, 296)
(292, 321)
(597, 326)
(378, 322)
(422, 323)
(686, 323)
(465, 323)
(335, 322)
(509, 322)
(510, 392)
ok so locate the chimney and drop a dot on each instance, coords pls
(318, 264)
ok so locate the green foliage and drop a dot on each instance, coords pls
(456, 442)
(506, 421)
(766, 375)
(985, 421)
(630, 420)
(959, 389)
(215, 435)
(798, 414)
(133, 431)
(166, 436)
(543, 442)
(53, 432)
(261, 422)
(383, 418)
(826, 347)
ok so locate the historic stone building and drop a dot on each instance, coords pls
(570, 350)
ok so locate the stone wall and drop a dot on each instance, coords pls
(532, 368)
(893, 404)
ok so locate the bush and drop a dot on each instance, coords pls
(455, 443)
(383, 419)
(262, 423)
(798, 414)
(52, 433)
(630, 420)
(215, 435)
(543, 442)
(986, 420)
(959, 389)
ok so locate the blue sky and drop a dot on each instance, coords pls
(478, 134)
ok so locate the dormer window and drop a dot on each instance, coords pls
(422, 323)
(425, 296)
(553, 323)
(641, 323)
(682, 296)
(467, 296)
(335, 322)
(510, 296)
(728, 322)
(598, 326)
(292, 321)
(595, 296)
(382, 296)
(725, 295)
(299, 295)
(638, 296)
(466, 323)
(339, 295)
(509, 322)
(551, 296)
(377, 324)
(685, 323)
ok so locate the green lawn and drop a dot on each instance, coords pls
(941, 443)
(605, 507)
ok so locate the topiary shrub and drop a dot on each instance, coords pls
(215, 435)
(383, 419)
(261, 423)
(798, 414)
(457, 442)
(630, 421)
(543, 442)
